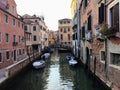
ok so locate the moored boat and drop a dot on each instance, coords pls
(38, 64)
(72, 62)
(45, 56)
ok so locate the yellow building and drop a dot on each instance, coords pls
(73, 7)
(51, 38)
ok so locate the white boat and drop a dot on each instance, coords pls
(39, 64)
(72, 62)
(46, 55)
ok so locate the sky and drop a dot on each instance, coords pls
(52, 10)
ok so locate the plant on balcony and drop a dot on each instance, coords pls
(109, 32)
(104, 28)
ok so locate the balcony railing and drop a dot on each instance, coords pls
(99, 35)
(88, 36)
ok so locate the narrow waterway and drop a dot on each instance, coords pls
(57, 75)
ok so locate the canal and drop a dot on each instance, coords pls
(57, 75)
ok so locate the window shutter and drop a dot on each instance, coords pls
(89, 23)
(73, 36)
(101, 13)
(99, 16)
(76, 36)
(85, 3)
(116, 17)
(83, 32)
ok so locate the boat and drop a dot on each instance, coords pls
(69, 57)
(72, 62)
(38, 64)
(45, 56)
(63, 50)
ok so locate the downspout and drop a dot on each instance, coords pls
(106, 48)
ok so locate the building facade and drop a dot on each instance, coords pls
(65, 32)
(36, 33)
(51, 38)
(12, 45)
(100, 39)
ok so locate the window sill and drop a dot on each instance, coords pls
(115, 66)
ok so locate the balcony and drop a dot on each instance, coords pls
(111, 32)
(15, 43)
(88, 36)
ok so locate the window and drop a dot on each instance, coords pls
(19, 38)
(41, 27)
(86, 3)
(0, 57)
(34, 28)
(14, 38)
(35, 20)
(6, 18)
(76, 36)
(25, 28)
(101, 15)
(89, 23)
(19, 51)
(60, 22)
(61, 29)
(68, 22)
(61, 37)
(65, 30)
(7, 55)
(73, 37)
(13, 22)
(115, 16)
(22, 26)
(19, 24)
(68, 29)
(83, 32)
(68, 36)
(0, 17)
(23, 51)
(115, 59)
(34, 38)
(103, 55)
(11, 53)
(0, 37)
(7, 37)
(13, 8)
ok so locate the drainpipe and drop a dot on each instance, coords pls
(106, 46)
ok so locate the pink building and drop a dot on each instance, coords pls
(12, 45)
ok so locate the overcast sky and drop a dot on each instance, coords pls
(52, 10)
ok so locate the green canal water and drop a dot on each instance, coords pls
(57, 75)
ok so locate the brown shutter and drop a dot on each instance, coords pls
(101, 13)
(116, 16)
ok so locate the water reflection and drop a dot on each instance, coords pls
(57, 75)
